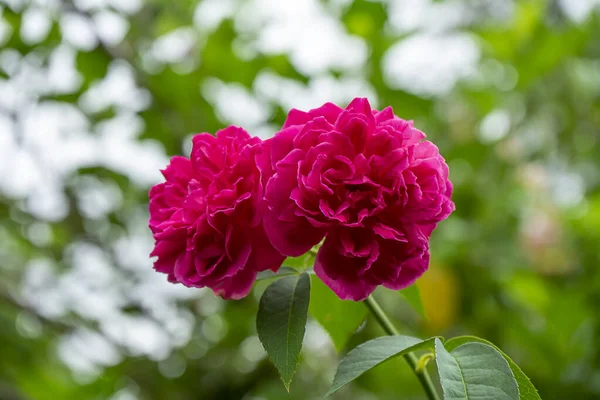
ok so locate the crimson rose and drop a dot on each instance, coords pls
(364, 180)
(205, 218)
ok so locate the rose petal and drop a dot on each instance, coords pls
(292, 239)
(347, 285)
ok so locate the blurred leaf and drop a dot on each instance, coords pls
(93, 66)
(340, 318)
(475, 370)
(281, 322)
(372, 353)
(412, 295)
(526, 389)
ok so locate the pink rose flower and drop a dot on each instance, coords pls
(205, 217)
(365, 180)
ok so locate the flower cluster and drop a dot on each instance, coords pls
(364, 181)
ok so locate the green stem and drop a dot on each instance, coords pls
(412, 359)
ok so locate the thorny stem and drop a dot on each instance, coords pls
(412, 359)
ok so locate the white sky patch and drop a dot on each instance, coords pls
(47, 200)
(51, 5)
(437, 16)
(317, 338)
(128, 393)
(265, 131)
(117, 89)
(28, 80)
(119, 150)
(78, 31)
(88, 5)
(579, 10)
(10, 60)
(281, 27)
(12, 163)
(22, 174)
(40, 234)
(209, 14)
(85, 349)
(35, 25)
(124, 6)
(132, 251)
(410, 15)
(90, 286)
(110, 26)
(290, 93)
(49, 131)
(63, 76)
(19, 172)
(235, 104)
(96, 198)
(567, 188)
(337, 6)
(494, 126)
(430, 65)
(139, 335)
(174, 46)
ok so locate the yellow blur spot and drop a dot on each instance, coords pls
(439, 292)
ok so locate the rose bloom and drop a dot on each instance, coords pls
(364, 180)
(205, 217)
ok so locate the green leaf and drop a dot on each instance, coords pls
(412, 294)
(475, 371)
(282, 272)
(526, 389)
(340, 318)
(281, 322)
(304, 261)
(372, 353)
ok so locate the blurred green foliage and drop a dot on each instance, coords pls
(516, 264)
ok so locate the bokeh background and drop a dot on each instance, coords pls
(96, 95)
